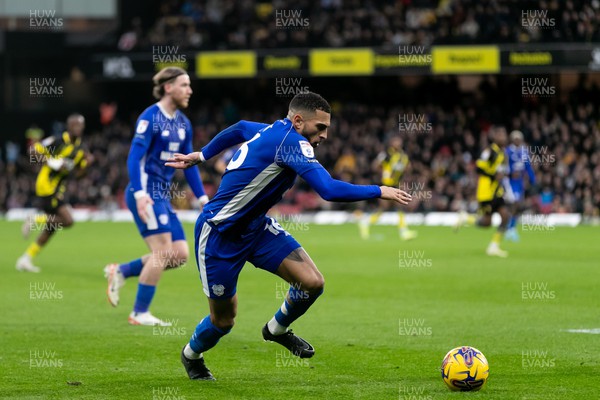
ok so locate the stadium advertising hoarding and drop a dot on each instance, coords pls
(226, 64)
(358, 61)
(341, 62)
(465, 59)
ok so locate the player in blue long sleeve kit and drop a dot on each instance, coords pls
(161, 130)
(518, 165)
(234, 228)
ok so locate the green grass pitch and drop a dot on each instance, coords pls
(390, 312)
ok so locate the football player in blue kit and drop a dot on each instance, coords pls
(234, 228)
(161, 131)
(518, 165)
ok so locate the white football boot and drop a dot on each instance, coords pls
(406, 234)
(146, 318)
(116, 280)
(24, 264)
(495, 251)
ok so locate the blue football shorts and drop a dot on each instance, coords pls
(162, 218)
(220, 256)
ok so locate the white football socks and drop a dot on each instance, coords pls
(276, 328)
(191, 354)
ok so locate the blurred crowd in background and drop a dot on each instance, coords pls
(228, 24)
(442, 134)
(442, 141)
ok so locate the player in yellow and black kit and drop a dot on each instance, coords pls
(63, 157)
(491, 167)
(392, 164)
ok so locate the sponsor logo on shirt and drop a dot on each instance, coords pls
(307, 149)
(142, 126)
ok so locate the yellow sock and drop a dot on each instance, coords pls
(374, 217)
(497, 237)
(40, 219)
(401, 220)
(33, 250)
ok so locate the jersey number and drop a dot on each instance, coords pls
(241, 154)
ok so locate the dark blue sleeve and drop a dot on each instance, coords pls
(136, 153)
(192, 175)
(333, 190)
(235, 134)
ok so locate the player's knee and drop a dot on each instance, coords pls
(177, 258)
(224, 323)
(315, 283)
(180, 259)
(68, 222)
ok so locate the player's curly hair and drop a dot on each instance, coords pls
(164, 76)
(310, 102)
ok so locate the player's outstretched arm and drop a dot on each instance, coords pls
(193, 176)
(334, 190)
(237, 133)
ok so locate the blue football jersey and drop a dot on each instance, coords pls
(518, 164)
(161, 136)
(258, 175)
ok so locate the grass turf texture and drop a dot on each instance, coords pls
(459, 295)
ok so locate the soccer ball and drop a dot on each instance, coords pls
(465, 368)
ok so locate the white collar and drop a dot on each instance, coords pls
(165, 113)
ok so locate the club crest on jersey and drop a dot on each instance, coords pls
(163, 219)
(307, 149)
(181, 133)
(218, 290)
(142, 126)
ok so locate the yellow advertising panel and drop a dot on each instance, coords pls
(341, 62)
(530, 58)
(226, 64)
(465, 59)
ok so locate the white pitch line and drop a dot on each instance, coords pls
(595, 331)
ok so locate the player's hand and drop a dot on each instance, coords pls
(142, 204)
(202, 200)
(390, 193)
(183, 161)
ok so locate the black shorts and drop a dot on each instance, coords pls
(50, 204)
(491, 206)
